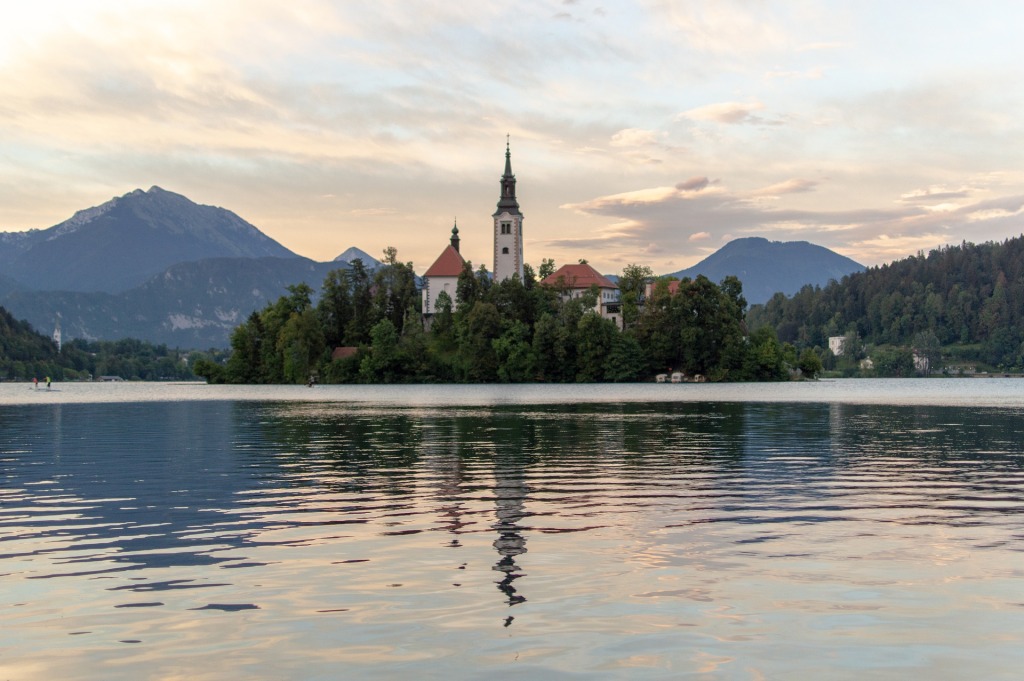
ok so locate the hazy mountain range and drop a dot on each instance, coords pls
(156, 266)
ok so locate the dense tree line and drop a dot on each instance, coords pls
(510, 331)
(961, 302)
(26, 354)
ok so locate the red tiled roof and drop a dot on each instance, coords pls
(673, 287)
(577, 276)
(344, 352)
(448, 264)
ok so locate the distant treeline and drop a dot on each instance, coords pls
(510, 331)
(26, 354)
(961, 302)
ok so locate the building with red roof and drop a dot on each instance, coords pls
(575, 280)
(443, 275)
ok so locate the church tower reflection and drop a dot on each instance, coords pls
(510, 490)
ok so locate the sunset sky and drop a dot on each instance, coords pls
(642, 131)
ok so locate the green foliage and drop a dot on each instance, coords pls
(26, 354)
(956, 301)
(510, 331)
(632, 286)
(809, 363)
(893, 362)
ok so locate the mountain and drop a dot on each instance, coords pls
(353, 253)
(189, 305)
(8, 285)
(964, 299)
(125, 241)
(768, 267)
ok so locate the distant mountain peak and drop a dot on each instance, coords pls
(122, 242)
(767, 267)
(353, 253)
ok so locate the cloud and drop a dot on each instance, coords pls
(815, 47)
(679, 220)
(729, 113)
(935, 193)
(694, 184)
(810, 74)
(725, 27)
(634, 137)
(793, 186)
(371, 212)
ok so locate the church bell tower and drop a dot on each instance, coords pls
(508, 227)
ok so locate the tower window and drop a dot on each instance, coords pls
(506, 228)
(505, 250)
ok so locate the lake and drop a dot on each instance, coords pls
(835, 529)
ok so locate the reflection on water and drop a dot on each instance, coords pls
(317, 540)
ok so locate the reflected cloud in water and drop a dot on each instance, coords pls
(333, 532)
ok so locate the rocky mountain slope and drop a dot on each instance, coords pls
(125, 241)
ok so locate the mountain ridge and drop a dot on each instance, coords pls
(119, 244)
(769, 267)
(190, 305)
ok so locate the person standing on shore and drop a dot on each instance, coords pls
(35, 383)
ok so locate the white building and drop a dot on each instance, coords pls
(836, 343)
(508, 227)
(443, 275)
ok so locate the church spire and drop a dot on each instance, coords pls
(455, 235)
(508, 227)
(507, 201)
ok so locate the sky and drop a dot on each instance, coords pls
(641, 131)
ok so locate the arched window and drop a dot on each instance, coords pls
(505, 250)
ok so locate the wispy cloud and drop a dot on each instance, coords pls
(793, 186)
(866, 129)
(730, 113)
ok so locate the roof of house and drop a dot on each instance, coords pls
(673, 287)
(344, 352)
(448, 264)
(576, 277)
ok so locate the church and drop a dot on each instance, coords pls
(443, 275)
(572, 280)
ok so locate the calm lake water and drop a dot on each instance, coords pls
(840, 530)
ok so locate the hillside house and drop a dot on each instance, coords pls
(575, 280)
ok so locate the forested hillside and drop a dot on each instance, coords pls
(965, 300)
(26, 354)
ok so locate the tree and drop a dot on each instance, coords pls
(358, 330)
(467, 288)
(809, 363)
(301, 344)
(382, 363)
(335, 306)
(764, 356)
(596, 338)
(394, 289)
(475, 334)
(246, 362)
(632, 287)
(625, 362)
(514, 354)
(893, 362)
